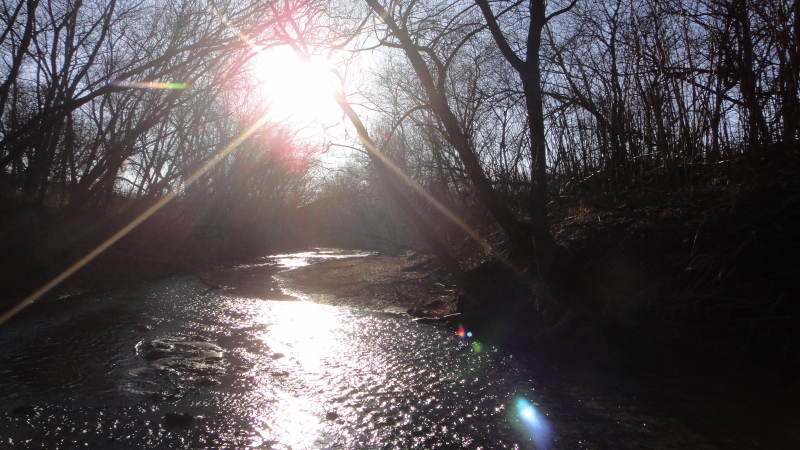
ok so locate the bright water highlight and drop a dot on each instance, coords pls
(255, 368)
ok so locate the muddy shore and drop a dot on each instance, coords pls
(375, 282)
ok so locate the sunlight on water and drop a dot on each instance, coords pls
(295, 260)
(302, 330)
(295, 424)
(292, 262)
(266, 372)
(301, 337)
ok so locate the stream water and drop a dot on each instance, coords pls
(172, 364)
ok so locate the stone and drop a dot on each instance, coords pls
(24, 410)
(178, 419)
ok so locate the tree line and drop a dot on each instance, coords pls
(107, 103)
(86, 112)
(106, 107)
(480, 111)
(496, 108)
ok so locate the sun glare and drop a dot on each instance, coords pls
(298, 91)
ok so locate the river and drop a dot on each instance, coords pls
(173, 364)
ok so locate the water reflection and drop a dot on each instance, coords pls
(258, 372)
(295, 424)
(342, 378)
(295, 260)
(302, 336)
(306, 332)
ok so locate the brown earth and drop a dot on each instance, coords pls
(376, 282)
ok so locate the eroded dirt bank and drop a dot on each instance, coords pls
(406, 282)
(711, 400)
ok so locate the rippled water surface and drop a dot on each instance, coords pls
(172, 364)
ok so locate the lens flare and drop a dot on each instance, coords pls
(534, 424)
(477, 347)
(150, 85)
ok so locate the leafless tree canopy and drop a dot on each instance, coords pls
(491, 107)
(81, 127)
(497, 106)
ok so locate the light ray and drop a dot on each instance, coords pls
(373, 149)
(368, 143)
(231, 26)
(134, 223)
(150, 211)
(338, 97)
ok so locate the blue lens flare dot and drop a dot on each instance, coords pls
(533, 424)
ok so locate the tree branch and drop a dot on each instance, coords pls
(561, 11)
(516, 62)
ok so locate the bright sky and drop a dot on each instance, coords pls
(299, 92)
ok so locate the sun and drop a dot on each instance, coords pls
(298, 91)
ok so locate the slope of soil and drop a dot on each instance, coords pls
(377, 282)
(706, 273)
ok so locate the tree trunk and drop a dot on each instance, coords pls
(517, 232)
(530, 75)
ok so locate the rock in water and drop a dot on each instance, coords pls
(178, 419)
(26, 410)
(415, 312)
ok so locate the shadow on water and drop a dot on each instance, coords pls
(174, 364)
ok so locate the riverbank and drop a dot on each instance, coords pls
(39, 243)
(721, 397)
(705, 274)
(170, 363)
(410, 282)
(698, 280)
